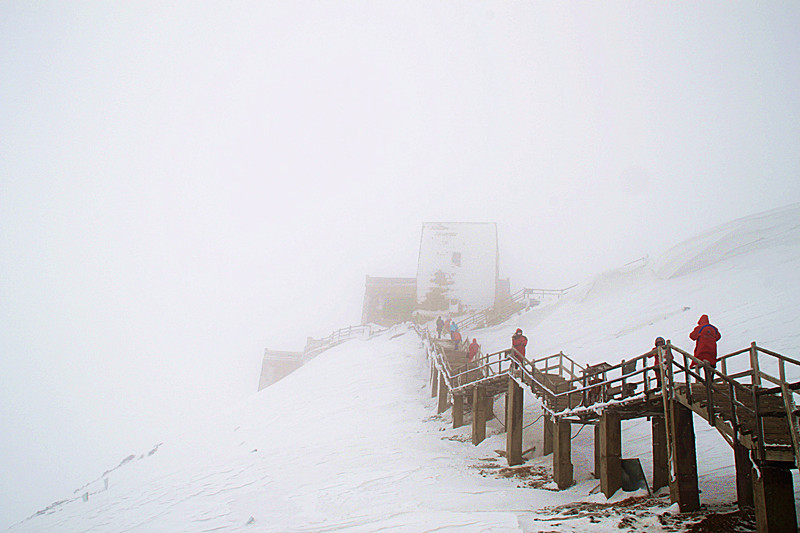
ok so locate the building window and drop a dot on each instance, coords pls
(457, 259)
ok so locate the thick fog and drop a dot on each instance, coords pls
(184, 184)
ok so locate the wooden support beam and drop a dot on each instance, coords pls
(562, 454)
(683, 489)
(458, 410)
(658, 427)
(442, 407)
(434, 381)
(514, 402)
(478, 415)
(744, 475)
(549, 428)
(774, 499)
(610, 453)
(596, 473)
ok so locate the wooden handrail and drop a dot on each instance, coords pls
(515, 298)
(728, 356)
(620, 384)
(336, 337)
(777, 355)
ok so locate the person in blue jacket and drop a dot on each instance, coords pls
(453, 329)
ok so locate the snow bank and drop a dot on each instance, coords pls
(772, 229)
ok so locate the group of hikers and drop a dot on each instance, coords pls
(518, 341)
(704, 334)
(455, 336)
(450, 326)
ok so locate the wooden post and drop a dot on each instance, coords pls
(683, 489)
(744, 475)
(610, 453)
(478, 415)
(658, 427)
(549, 428)
(596, 473)
(458, 410)
(754, 366)
(774, 499)
(434, 380)
(756, 385)
(562, 454)
(514, 423)
(442, 395)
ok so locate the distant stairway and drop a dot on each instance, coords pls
(506, 308)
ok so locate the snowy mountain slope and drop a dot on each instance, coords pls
(743, 275)
(350, 441)
(741, 237)
(346, 443)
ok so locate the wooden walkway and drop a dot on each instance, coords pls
(754, 409)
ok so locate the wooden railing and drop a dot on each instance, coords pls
(534, 372)
(500, 312)
(735, 402)
(563, 365)
(339, 336)
(585, 390)
(731, 402)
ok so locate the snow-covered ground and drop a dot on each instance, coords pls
(351, 441)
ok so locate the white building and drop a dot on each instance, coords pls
(458, 265)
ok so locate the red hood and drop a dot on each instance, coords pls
(703, 320)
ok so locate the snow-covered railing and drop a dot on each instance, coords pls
(541, 374)
(603, 384)
(736, 404)
(565, 387)
(339, 336)
(733, 403)
(437, 358)
(570, 390)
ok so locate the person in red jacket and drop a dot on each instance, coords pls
(474, 348)
(654, 353)
(518, 343)
(706, 336)
(456, 336)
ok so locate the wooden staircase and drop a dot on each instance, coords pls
(738, 420)
(759, 422)
(762, 419)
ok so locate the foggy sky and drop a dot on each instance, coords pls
(183, 185)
